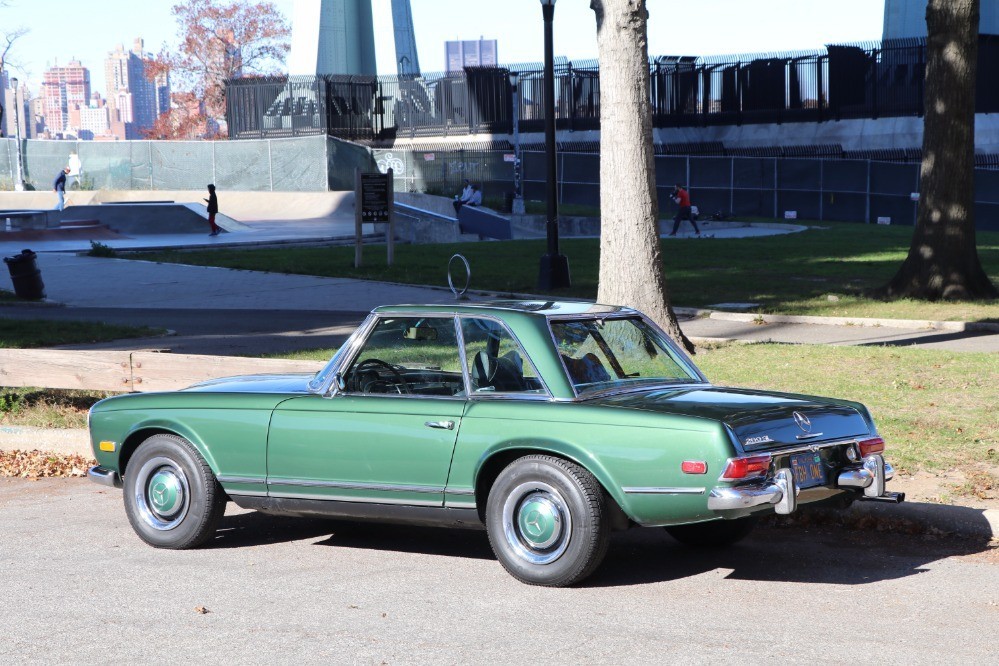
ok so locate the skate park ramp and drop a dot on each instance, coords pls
(173, 215)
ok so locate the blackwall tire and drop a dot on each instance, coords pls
(547, 521)
(172, 498)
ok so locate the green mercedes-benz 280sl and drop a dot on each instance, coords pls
(550, 424)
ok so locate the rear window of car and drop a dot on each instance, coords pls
(602, 354)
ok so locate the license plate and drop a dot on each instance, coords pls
(808, 470)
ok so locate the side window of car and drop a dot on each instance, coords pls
(408, 356)
(496, 361)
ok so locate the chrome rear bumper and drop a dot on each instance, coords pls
(105, 477)
(782, 492)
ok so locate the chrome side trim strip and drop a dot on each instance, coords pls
(459, 491)
(247, 493)
(356, 500)
(345, 485)
(242, 479)
(457, 504)
(640, 490)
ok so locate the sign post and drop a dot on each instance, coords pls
(374, 195)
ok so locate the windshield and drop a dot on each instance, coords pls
(601, 354)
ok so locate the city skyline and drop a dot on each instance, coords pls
(777, 25)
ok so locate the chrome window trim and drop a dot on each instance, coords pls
(466, 375)
(509, 395)
(375, 317)
(327, 387)
(664, 339)
(640, 490)
(351, 485)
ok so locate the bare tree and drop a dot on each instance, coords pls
(943, 258)
(221, 40)
(631, 262)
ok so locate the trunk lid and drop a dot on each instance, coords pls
(760, 420)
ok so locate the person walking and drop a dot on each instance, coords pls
(682, 199)
(213, 208)
(59, 187)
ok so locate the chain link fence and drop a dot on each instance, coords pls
(814, 189)
(305, 164)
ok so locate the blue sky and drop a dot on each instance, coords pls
(89, 29)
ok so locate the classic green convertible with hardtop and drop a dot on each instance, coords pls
(551, 424)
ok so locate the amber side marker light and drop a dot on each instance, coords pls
(106, 446)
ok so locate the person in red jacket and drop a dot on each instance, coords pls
(682, 198)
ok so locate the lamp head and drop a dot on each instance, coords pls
(547, 3)
(514, 78)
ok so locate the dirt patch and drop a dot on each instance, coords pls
(977, 486)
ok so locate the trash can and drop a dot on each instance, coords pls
(25, 275)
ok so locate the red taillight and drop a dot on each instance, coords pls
(869, 446)
(746, 468)
(694, 467)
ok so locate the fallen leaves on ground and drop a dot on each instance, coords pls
(38, 464)
(201, 610)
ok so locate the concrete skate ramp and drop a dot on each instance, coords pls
(142, 212)
(252, 206)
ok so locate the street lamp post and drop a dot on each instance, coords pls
(518, 174)
(19, 183)
(554, 270)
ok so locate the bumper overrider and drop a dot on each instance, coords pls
(782, 492)
(104, 476)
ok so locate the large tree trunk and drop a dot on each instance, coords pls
(943, 258)
(631, 266)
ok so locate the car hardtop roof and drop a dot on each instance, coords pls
(538, 308)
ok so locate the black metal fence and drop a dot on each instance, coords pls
(836, 190)
(845, 81)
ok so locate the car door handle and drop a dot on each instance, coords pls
(442, 425)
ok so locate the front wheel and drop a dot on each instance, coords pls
(547, 521)
(172, 499)
(713, 534)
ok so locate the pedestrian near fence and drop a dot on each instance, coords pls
(682, 199)
(213, 208)
(59, 187)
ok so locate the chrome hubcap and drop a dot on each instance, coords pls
(537, 523)
(162, 494)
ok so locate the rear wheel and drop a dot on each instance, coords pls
(547, 521)
(713, 534)
(172, 499)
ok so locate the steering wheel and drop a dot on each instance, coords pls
(400, 380)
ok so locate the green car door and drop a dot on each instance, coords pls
(388, 436)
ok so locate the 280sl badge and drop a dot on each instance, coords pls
(763, 439)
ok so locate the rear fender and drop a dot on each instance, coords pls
(498, 456)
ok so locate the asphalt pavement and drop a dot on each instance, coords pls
(81, 588)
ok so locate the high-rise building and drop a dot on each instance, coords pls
(470, 53)
(907, 18)
(62, 89)
(135, 99)
(332, 37)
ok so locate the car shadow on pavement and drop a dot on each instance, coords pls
(244, 530)
(795, 554)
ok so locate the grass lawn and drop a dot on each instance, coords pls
(28, 333)
(826, 270)
(937, 410)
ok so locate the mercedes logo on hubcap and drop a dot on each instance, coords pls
(534, 522)
(802, 421)
(159, 494)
